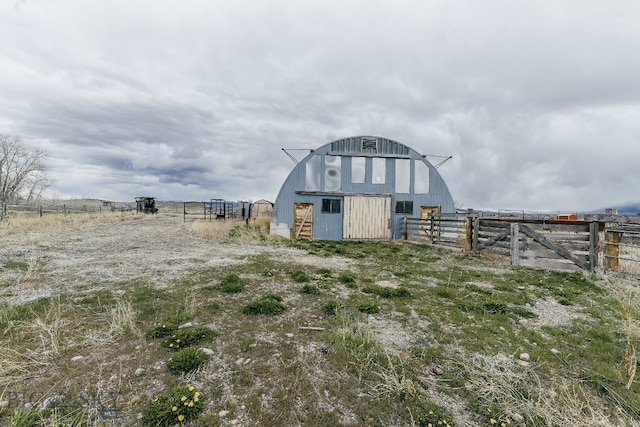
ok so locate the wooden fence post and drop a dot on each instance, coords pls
(431, 217)
(469, 231)
(515, 244)
(612, 251)
(476, 231)
(594, 241)
(405, 228)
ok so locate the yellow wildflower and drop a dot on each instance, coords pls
(180, 418)
(174, 409)
(190, 387)
(492, 421)
(191, 404)
(183, 398)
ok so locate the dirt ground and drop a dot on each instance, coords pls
(79, 255)
(88, 255)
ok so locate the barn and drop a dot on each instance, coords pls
(359, 188)
(261, 209)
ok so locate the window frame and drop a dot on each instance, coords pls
(404, 204)
(331, 206)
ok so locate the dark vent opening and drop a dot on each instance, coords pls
(370, 145)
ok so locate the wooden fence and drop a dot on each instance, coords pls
(447, 229)
(7, 210)
(541, 243)
(622, 248)
(556, 244)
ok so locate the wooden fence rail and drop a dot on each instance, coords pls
(622, 248)
(532, 242)
(7, 210)
(440, 228)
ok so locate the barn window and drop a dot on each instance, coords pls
(379, 170)
(404, 207)
(333, 173)
(330, 205)
(358, 168)
(422, 178)
(403, 175)
(313, 173)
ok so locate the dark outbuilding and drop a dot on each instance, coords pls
(146, 205)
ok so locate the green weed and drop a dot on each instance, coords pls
(180, 404)
(331, 308)
(232, 284)
(299, 276)
(188, 337)
(187, 360)
(269, 304)
(369, 307)
(387, 292)
(310, 289)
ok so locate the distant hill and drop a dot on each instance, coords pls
(625, 208)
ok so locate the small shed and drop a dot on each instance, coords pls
(568, 217)
(358, 188)
(146, 205)
(262, 209)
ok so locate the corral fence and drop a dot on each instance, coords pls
(195, 210)
(7, 210)
(622, 248)
(533, 242)
(218, 209)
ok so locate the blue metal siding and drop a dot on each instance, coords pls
(329, 225)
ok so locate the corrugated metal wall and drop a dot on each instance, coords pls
(331, 225)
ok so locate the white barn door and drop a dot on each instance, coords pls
(367, 217)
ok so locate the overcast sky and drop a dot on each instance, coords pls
(538, 101)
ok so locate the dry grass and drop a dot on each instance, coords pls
(236, 231)
(501, 381)
(216, 230)
(123, 320)
(627, 293)
(50, 329)
(33, 223)
(16, 367)
(394, 382)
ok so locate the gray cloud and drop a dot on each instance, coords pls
(536, 102)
